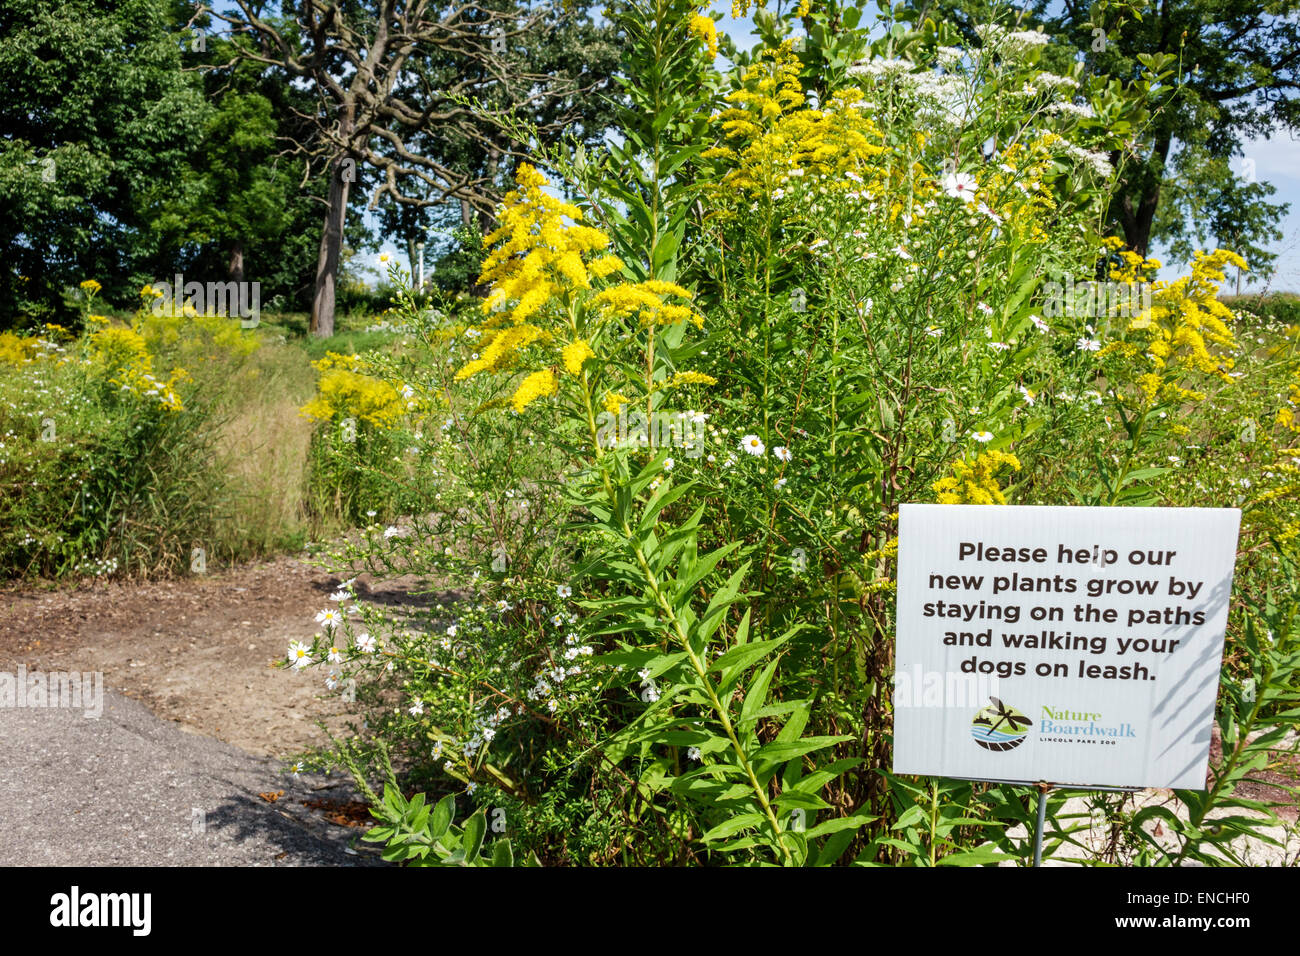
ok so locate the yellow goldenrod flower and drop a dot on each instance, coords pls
(535, 386)
(575, 353)
(704, 28)
(976, 482)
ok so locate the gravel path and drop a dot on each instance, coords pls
(129, 789)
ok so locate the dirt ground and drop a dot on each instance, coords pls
(199, 651)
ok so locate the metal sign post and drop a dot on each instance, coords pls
(1044, 788)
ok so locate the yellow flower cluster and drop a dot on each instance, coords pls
(976, 482)
(574, 354)
(537, 255)
(772, 136)
(614, 402)
(501, 346)
(542, 253)
(15, 350)
(537, 385)
(343, 393)
(704, 28)
(144, 384)
(91, 286)
(1185, 331)
(1015, 192)
(122, 355)
(647, 301)
(1286, 415)
(115, 348)
(195, 335)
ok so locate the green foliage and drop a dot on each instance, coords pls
(416, 835)
(98, 110)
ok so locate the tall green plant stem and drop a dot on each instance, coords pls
(683, 639)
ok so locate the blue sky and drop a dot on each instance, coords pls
(1276, 161)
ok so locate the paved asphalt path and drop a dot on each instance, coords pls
(130, 789)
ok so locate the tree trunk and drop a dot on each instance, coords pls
(343, 172)
(235, 268)
(331, 246)
(1138, 218)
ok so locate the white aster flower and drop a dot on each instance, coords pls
(982, 437)
(960, 186)
(753, 445)
(299, 654)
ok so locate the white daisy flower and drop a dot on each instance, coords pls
(299, 654)
(1087, 345)
(1040, 324)
(693, 753)
(329, 619)
(416, 709)
(334, 656)
(982, 437)
(960, 186)
(668, 464)
(782, 453)
(752, 445)
(563, 591)
(364, 643)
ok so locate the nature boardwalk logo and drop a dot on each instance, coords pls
(999, 727)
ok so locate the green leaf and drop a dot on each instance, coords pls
(502, 855)
(737, 823)
(441, 818)
(475, 828)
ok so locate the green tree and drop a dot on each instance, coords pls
(1238, 70)
(375, 70)
(96, 109)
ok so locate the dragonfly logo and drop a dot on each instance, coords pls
(999, 727)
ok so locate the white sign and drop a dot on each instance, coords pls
(1073, 646)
